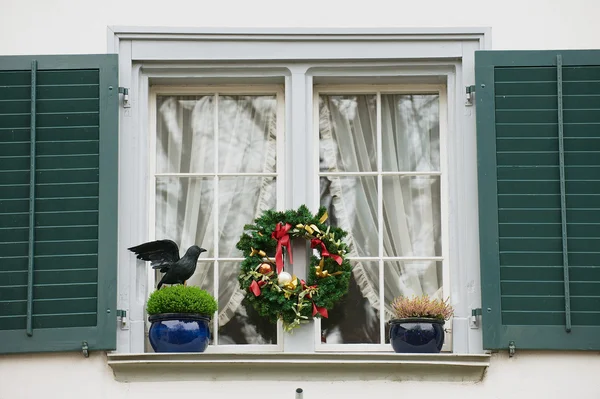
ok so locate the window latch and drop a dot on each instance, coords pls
(125, 92)
(470, 92)
(474, 319)
(122, 314)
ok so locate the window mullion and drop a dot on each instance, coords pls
(216, 217)
(380, 221)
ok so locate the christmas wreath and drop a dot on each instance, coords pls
(275, 293)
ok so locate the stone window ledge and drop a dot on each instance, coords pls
(298, 366)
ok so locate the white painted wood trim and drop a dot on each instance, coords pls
(299, 367)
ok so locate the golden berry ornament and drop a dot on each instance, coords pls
(265, 268)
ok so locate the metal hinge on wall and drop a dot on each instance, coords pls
(474, 319)
(85, 349)
(125, 92)
(511, 348)
(122, 314)
(470, 92)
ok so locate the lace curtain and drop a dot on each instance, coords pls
(245, 126)
(410, 203)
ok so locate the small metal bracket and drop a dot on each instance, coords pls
(474, 319)
(122, 314)
(511, 348)
(125, 92)
(470, 91)
(85, 349)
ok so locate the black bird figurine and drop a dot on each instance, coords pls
(164, 255)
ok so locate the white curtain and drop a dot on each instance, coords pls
(411, 204)
(186, 207)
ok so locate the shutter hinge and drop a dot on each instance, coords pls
(85, 349)
(125, 92)
(470, 91)
(511, 348)
(122, 314)
(474, 319)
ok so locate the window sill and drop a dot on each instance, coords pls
(298, 367)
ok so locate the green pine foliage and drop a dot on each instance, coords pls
(293, 306)
(181, 299)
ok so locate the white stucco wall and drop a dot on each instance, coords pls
(79, 26)
(67, 376)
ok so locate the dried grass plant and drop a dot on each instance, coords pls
(421, 306)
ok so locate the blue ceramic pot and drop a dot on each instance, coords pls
(179, 332)
(417, 335)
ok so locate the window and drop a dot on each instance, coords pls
(216, 169)
(217, 158)
(340, 113)
(380, 175)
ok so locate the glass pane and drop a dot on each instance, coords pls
(354, 320)
(184, 212)
(351, 203)
(247, 133)
(348, 133)
(408, 278)
(242, 324)
(204, 277)
(410, 132)
(239, 199)
(411, 214)
(185, 134)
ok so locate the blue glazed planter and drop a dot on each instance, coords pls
(417, 335)
(179, 332)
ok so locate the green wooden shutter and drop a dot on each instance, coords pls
(58, 202)
(538, 143)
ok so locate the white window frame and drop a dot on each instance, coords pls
(377, 90)
(299, 59)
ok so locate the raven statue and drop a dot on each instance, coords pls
(164, 255)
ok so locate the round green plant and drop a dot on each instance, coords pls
(181, 299)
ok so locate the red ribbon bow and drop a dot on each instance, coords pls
(255, 287)
(316, 309)
(315, 242)
(321, 311)
(283, 240)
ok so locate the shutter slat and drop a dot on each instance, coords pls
(51, 321)
(48, 306)
(67, 147)
(67, 92)
(68, 119)
(67, 276)
(50, 291)
(549, 288)
(67, 161)
(67, 218)
(539, 273)
(14, 121)
(549, 303)
(70, 77)
(550, 318)
(78, 261)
